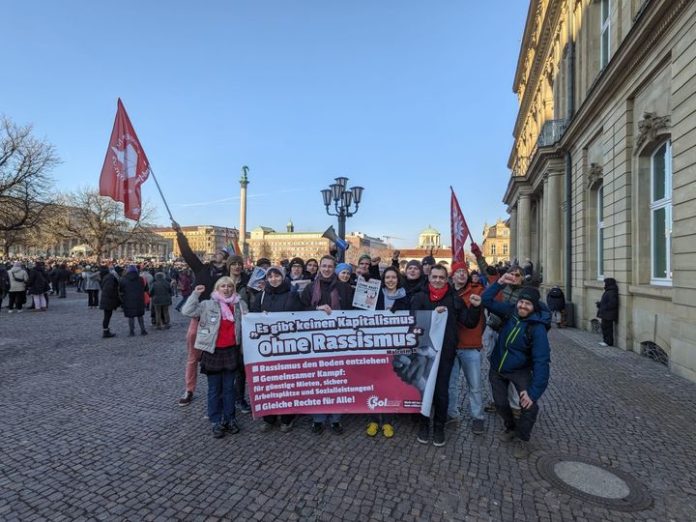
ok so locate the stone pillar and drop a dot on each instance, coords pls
(512, 251)
(553, 228)
(243, 182)
(524, 227)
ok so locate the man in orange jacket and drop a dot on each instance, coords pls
(468, 356)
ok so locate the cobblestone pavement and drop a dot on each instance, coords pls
(90, 429)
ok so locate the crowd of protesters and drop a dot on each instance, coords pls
(495, 314)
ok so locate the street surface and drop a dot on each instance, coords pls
(90, 430)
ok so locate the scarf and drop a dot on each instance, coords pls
(225, 302)
(437, 294)
(331, 282)
(389, 299)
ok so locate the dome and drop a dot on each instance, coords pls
(430, 231)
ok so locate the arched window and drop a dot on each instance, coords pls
(661, 214)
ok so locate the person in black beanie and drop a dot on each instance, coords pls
(608, 310)
(414, 280)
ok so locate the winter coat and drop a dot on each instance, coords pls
(91, 280)
(18, 279)
(555, 299)
(206, 274)
(345, 294)
(456, 312)
(209, 323)
(403, 303)
(609, 305)
(37, 282)
(413, 286)
(132, 293)
(467, 337)
(279, 299)
(4, 281)
(184, 284)
(522, 344)
(110, 298)
(160, 291)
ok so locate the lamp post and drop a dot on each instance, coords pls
(341, 198)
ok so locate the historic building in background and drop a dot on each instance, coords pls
(204, 240)
(496, 242)
(266, 242)
(604, 164)
(429, 244)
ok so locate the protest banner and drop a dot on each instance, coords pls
(366, 292)
(345, 362)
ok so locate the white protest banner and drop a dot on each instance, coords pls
(366, 292)
(345, 362)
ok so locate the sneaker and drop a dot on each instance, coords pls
(424, 433)
(372, 429)
(243, 406)
(143, 332)
(521, 450)
(107, 333)
(506, 436)
(186, 399)
(452, 420)
(317, 428)
(603, 344)
(490, 407)
(231, 427)
(266, 427)
(388, 431)
(337, 428)
(10, 311)
(438, 436)
(285, 428)
(477, 427)
(218, 431)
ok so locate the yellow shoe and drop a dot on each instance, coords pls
(372, 429)
(388, 431)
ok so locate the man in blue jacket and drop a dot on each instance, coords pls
(521, 356)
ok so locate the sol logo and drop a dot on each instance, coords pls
(373, 402)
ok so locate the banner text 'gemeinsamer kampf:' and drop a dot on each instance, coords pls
(347, 362)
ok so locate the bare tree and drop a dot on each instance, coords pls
(25, 183)
(98, 221)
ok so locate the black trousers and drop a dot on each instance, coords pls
(608, 331)
(441, 394)
(92, 297)
(499, 384)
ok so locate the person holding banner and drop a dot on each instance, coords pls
(441, 297)
(521, 357)
(277, 296)
(218, 336)
(392, 296)
(327, 293)
(344, 271)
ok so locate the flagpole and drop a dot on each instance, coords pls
(160, 191)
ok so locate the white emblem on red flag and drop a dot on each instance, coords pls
(125, 167)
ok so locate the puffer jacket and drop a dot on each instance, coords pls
(513, 351)
(91, 280)
(279, 299)
(18, 279)
(209, 323)
(609, 305)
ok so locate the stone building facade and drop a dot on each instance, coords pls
(604, 163)
(496, 242)
(204, 240)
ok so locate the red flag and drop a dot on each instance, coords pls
(459, 228)
(125, 166)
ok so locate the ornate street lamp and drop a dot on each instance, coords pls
(342, 199)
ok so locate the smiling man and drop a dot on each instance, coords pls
(521, 356)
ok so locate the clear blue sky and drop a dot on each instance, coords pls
(404, 97)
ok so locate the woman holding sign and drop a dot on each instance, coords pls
(217, 336)
(327, 293)
(277, 296)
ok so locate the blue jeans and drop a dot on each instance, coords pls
(321, 417)
(221, 397)
(468, 360)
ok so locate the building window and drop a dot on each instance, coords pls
(661, 214)
(600, 233)
(493, 249)
(505, 249)
(605, 29)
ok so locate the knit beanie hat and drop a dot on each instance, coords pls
(428, 260)
(235, 260)
(275, 269)
(530, 294)
(344, 266)
(263, 261)
(414, 262)
(297, 261)
(365, 256)
(132, 268)
(459, 266)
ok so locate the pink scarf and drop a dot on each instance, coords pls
(225, 302)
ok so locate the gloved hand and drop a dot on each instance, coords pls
(476, 250)
(414, 368)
